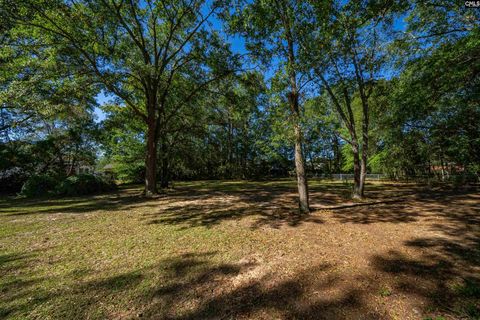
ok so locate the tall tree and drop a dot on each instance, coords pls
(431, 121)
(272, 29)
(139, 51)
(434, 111)
(346, 49)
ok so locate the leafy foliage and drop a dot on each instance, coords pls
(39, 185)
(48, 185)
(83, 184)
(386, 87)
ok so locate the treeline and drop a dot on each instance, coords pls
(318, 87)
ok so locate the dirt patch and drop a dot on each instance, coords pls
(403, 256)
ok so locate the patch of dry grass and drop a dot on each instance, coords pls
(237, 250)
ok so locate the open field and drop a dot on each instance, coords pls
(237, 250)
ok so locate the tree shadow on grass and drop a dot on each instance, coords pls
(394, 212)
(192, 286)
(445, 269)
(23, 292)
(210, 215)
(443, 286)
(12, 260)
(276, 207)
(407, 209)
(17, 283)
(293, 298)
(267, 204)
(201, 286)
(83, 204)
(443, 272)
(272, 204)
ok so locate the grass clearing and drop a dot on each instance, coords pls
(236, 249)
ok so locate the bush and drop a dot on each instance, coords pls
(12, 180)
(39, 185)
(83, 184)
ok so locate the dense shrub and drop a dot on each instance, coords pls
(39, 185)
(12, 180)
(83, 184)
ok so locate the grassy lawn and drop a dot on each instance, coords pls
(235, 250)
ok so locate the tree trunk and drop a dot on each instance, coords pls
(151, 159)
(244, 153)
(365, 125)
(363, 174)
(230, 164)
(363, 164)
(302, 182)
(165, 177)
(356, 173)
(444, 167)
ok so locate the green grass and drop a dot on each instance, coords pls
(175, 256)
(385, 292)
(97, 257)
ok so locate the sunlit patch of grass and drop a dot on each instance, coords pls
(91, 257)
(121, 255)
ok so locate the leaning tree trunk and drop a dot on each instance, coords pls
(71, 170)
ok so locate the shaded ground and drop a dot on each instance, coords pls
(237, 250)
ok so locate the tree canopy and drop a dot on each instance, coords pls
(238, 89)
